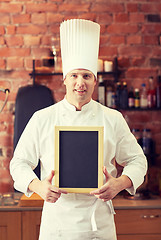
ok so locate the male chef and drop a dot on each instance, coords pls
(74, 216)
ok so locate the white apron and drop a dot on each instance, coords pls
(77, 217)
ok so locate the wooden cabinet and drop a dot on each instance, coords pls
(10, 226)
(31, 224)
(135, 220)
(138, 224)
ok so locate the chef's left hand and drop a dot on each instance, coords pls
(112, 186)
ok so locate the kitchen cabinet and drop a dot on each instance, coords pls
(138, 224)
(10, 225)
(135, 220)
(138, 219)
(31, 224)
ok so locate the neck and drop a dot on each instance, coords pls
(77, 105)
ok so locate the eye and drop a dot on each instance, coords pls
(87, 76)
(73, 75)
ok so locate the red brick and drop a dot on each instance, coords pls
(31, 29)
(88, 15)
(137, 18)
(108, 51)
(156, 51)
(132, 7)
(38, 18)
(104, 18)
(150, 7)
(108, 7)
(104, 39)
(52, 18)
(150, 40)
(134, 50)
(5, 141)
(10, 7)
(121, 17)
(30, 40)
(21, 18)
(11, 29)
(4, 19)
(11, 52)
(2, 41)
(73, 7)
(14, 62)
(41, 7)
(2, 64)
(138, 61)
(134, 39)
(151, 28)
(14, 41)
(2, 31)
(40, 52)
(139, 73)
(122, 28)
(117, 39)
(123, 62)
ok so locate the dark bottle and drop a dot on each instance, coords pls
(131, 98)
(101, 90)
(148, 145)
(124, 96)
(117, 95)
(137, 98)
(151, 94)
(158, 93)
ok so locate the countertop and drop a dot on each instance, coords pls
(35, 204)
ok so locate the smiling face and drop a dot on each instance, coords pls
(80, 85)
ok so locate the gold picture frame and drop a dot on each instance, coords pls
(79, 158)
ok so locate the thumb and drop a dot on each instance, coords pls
(107, 175)
(50, 177)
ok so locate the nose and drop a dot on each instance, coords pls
(80, 82)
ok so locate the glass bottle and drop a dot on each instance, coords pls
(137, 134)
(124, 96)
(143, 96)
(109, 97)
(101, 90)
(151, 94)
(131, 98)
(117, 95)
(158, 92)
(137, 98)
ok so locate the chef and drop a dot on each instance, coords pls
(74, 216)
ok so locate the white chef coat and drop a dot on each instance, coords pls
(76, 216)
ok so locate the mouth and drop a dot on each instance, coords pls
(79, 91)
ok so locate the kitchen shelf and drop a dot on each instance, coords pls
(114, 73)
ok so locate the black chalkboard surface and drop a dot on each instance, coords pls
(78, 158)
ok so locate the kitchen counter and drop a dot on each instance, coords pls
(35, 203)
(135, 219)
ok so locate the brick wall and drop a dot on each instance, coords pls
(130, 31)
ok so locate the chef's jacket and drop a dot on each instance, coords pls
(76, 216)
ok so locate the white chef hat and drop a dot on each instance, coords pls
(79, 45)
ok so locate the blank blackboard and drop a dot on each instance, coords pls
(78, 158)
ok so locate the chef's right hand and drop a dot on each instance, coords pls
(45, 189)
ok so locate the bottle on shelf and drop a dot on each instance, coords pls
(143, 97)
(151, 94)
(101, 90)
(124, 96)
(117, 95)
(110, 97)
(137, 98)
(158, 92)
(131, 98)
(137, 134)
